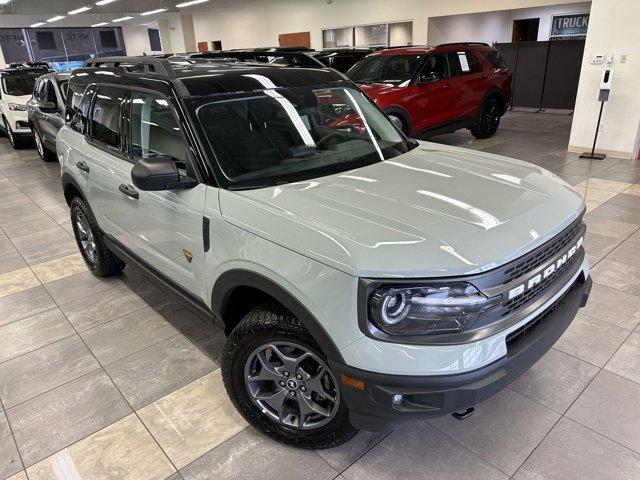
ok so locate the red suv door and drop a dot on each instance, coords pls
(470, 80)
(433, 99)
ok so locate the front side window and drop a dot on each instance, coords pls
(290, 134)
(393, 69)
(494, 57)
(105, 116)
(435, 68)
(155, 131)
(18, 85)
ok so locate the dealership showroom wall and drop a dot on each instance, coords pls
(319, 239)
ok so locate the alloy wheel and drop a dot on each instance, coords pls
(39, 146)
(85, 236)
(291, 385)
(491, 117)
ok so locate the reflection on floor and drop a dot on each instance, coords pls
(107, 379)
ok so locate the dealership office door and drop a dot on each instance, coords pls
(545, 74)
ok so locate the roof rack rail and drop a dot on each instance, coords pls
(464, 43)
(134, 64)
(293, 59)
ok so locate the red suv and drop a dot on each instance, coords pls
(433, 90)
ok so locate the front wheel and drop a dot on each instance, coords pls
(279, 380)
(489, 119)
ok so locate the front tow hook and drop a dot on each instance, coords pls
(463, 414)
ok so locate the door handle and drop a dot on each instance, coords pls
(82, 165)
(129, 191)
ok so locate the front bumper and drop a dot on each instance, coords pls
(19, 123)
(434, 396)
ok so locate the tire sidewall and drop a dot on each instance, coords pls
(233, 372)
(78, 205)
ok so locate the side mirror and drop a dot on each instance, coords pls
(48, 107)
(429, 77)
(79, 123)
(159, 173)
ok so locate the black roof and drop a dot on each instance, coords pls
(199, 79)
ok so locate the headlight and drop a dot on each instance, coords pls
(427, 309)
(17, 107)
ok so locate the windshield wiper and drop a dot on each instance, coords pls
(253, 185)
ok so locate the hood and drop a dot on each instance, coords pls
(432, 212)
(20, 99)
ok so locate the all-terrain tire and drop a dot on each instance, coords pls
(100, 260)
(271, 323)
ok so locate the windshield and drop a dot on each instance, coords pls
(18, 86)
(392, 69)
(282, 135)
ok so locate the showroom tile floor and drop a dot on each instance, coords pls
(105, 379)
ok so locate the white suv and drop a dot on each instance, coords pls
(16, 88)
(363, 278)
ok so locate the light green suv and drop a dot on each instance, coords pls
(363, 278)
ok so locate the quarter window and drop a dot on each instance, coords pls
(463, 63)
(105, 116)
(155, 131)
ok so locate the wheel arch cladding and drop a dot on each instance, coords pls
(400, 112)
(236, 292)
(70, 188)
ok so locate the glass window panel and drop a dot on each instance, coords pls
(105, 117)
(79, 43)
(371, 35)
(337, 37)
(108, 41)
(13, 44)
(155, 132)
(46, 44)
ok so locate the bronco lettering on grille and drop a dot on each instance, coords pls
(533, 281)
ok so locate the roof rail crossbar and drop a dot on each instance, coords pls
(463, 43)
(293, 59)
(148, 64)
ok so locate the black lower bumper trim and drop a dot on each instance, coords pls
(427, 397)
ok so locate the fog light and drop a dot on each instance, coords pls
(396, 401)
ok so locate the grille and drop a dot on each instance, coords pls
(545, 252)
(518, 302)
(515, 338)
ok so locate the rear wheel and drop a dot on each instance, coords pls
(489, 119)
(45, 154)
(399, 122)
(100, 260)
(279, 380)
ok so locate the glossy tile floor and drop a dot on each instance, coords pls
(104, 379)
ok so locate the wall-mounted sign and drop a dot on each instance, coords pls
(570, 25)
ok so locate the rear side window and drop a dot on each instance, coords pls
(105, 116)
(463, 63)
(494, 57)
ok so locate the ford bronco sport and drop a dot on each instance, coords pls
(363, 278)
(433, 90)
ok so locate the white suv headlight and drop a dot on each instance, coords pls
(427, 309)
(17, 107)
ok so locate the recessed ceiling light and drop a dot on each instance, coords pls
(104, 2)
(100, 24)
(151, 12)
(121, 19)
(79, 10)
(191, 2)
(55, 19)
(38, 24)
